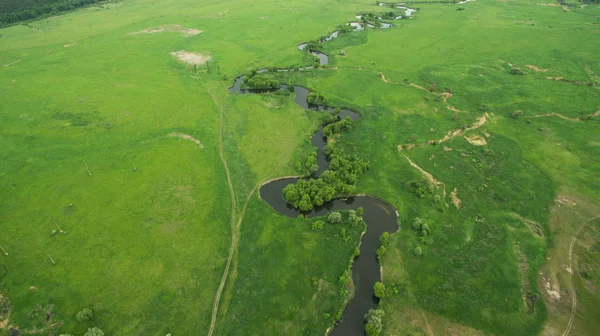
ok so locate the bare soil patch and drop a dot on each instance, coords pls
(480, 122)
(536, 68)
(187, 137)
(476, 140)
(191, 58)
(70, 45)
(170, 28)
(534, 226)
(455, 198)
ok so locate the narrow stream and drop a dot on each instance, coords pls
(378, 215)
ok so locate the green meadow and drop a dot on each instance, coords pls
(129, 180)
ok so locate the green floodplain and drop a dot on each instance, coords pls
(130, 175)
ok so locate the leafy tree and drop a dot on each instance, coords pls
(334, 217)
(381, 252)
(359, 211)
(374, 322)
(384, 239)
(354, 218)
(94, 332)
(379, 290)
(417, 222)
(84, 315)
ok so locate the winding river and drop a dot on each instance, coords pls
(378, 215)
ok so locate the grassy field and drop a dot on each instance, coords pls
(106, 204)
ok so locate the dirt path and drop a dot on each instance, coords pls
(233, 225)
(429, 177)
(558, 115)
(573, 292)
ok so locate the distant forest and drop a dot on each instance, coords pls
(14, 11)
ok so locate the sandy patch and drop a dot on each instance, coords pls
(4, 323)
(446, 96)
(558, 115)
(384, 79)
(552, 289)
(70, 45)
(452, 134)
(455, 198)
(447, 149)
(192, 58)
(536, 68)
(187, 137)
(476, 140)
(9, 64)
(170, 28)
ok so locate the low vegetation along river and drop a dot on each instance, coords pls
(378, 215)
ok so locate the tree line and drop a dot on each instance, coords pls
(14, 11)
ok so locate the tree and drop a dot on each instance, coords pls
(359, 211)
(379, 290)
(334, 217)
(354, 218)
(417, 222)
(384, 239)
(84, 315)
(374, 322)
(380, 252)
(94, 332)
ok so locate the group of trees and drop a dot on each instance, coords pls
(340, 179)
(256, 81)
(345, 124)
(315, 99)
(423, 231)
(13, 11)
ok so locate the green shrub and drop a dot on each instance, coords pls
(84, 315)
(379, 290)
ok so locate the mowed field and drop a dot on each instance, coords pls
(127, 175)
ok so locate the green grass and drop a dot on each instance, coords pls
(146, 248)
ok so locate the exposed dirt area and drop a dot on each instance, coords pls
(452, 134)
(187, 137)
(476, 140)
(455, 198)
(558, 115)
(424, 172)
(192, 58)
(170, 28)
(4, 323)
(70, 45)
(536, 68)
(384, 79)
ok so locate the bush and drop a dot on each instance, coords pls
(84, 315)
(384, 239)
(94, 332)
(318, 225)
(380, 252)
(334, 217)
(379, 290)
(5, 306)
(418, 251)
